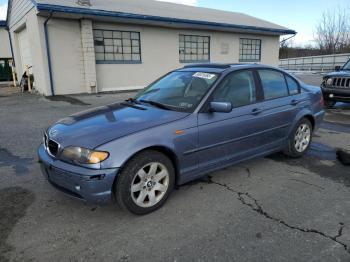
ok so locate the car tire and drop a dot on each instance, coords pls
(300, 139)
(145, 182)
(329, 103)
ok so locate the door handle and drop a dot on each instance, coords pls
(256, 111)
(294, 102)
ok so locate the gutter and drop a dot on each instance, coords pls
(48, 53)
(98, 12)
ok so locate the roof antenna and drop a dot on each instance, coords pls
(83, 2)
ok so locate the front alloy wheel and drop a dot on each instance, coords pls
(150, 184)
(145, 182)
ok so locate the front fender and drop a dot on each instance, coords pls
(122, 149)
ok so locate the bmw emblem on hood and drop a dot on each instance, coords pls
(53, 133)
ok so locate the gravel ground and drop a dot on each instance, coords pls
(267, 209)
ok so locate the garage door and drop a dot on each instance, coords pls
(24, 49)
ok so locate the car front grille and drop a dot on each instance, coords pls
(46, 140)
(52, 147)
(342, 82)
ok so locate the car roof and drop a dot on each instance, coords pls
(219, 68)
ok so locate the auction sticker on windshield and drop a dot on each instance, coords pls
(204, 75)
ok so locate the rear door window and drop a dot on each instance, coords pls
(293, 86)
(273, 83)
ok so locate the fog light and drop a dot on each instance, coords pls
(331, 95)
(77, 188)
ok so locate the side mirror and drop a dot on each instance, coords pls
(221, 107)
(337, 68)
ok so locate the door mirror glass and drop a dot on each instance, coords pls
(221, 107)
(337, 68)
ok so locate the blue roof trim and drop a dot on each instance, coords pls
(3, 23)
(97, 12)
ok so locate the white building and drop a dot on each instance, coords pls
(5, 49)
(5, 53)
(79, 46)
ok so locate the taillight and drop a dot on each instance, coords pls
(322, 101)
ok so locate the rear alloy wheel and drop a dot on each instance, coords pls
(300, 139)
(145, 182)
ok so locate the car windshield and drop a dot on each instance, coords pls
(178, 91)
(347, 66)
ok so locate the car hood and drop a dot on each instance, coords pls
(100, 125)
(339, 74)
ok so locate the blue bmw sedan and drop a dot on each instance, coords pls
(190, 122)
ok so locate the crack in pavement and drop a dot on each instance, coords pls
(298, 172)
(307, 183)
(246, 199)
(248, 171)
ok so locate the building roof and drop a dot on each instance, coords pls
(2, 23)
(165, 12)
(221, 67)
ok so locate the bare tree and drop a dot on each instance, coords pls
(332, 31)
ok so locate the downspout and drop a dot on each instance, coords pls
(11, 47)
(284, 40)
(48, 53)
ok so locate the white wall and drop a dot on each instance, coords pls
(37, 46)
(66, 56)
(19, 8)
(66, 53)
(5, 49)
(160, 54)
(159, 50)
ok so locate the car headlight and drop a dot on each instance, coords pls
(329, 81)
(83, 155)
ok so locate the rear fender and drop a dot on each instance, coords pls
(302, 114)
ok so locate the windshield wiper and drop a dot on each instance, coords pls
(156, 104)
(133, 100)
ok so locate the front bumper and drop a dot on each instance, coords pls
(336, 94)
(91, 185)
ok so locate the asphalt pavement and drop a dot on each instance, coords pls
(267, 209)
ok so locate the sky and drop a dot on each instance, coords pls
(299, 15)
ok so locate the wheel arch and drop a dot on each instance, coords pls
(311, 119)
(161, 149)
(168, 153)
(303, 114)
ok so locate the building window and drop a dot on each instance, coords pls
(249, 50)
(117, 46)
(194, 48)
